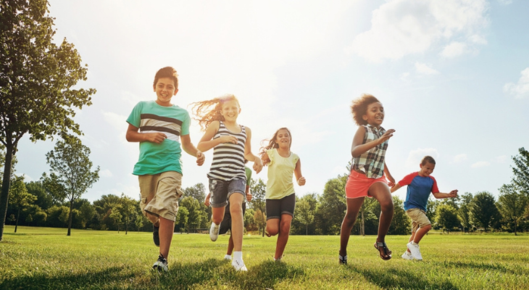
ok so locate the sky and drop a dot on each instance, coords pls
(452, 75)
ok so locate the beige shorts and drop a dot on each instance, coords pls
(160, 194)
(418, 219)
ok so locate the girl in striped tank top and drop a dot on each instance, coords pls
(231, 144)
(368, 173)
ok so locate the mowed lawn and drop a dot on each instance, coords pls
(45, 258)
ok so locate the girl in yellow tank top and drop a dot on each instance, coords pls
(280, 196)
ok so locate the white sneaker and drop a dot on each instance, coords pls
(161, 264)
(214, 231)
(407, 256)
(415, 252)
(227, 257)
(239, 265)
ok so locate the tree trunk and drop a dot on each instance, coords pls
(5, 185)
(126, 226)
(18, 216)
(515, 228)
(362, 226)
(70, 217)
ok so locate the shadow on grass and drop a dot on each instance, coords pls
(400, 279)
(219, 273)
(474, 265)
(42, 281)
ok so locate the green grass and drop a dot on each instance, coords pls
(45, 258)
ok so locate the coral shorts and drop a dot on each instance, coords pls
(358, 184)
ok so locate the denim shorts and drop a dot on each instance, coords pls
(222, 190)
(277, 207)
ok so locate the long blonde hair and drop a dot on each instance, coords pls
(272, 142)
(209, 110)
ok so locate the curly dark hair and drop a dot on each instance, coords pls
(359, 108)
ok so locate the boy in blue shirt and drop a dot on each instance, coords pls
(420, 184)
(160, 127)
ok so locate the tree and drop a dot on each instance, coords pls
(400, 225)
(86, 212)
(182, 218)
(194, 209)
(483, 210)
(463, 213)
(511, 204)
(70, 161)
(258, 203)
(260, 219)
(304, 214)
(249, 222)
(446, 217)
(116, 215)
(54, 188)
(19, 197)
(367, 213)
(331, 211)
(36, 80)
(521, 170)
(128, 210)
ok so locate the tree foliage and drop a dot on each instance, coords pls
(483, 211)
(511, 205)
(304, 214)
(36, 81)
(70, 161)
(446, 217)
(19, 196)
(521, 170)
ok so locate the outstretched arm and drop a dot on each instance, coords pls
(190, 149)
(395, 188)
(265, 159)
(359, 148)
(297, 172)
(452, 193)
(134, 136)
(388, 176)
(257, 164)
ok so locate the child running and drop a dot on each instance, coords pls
(231, 144)
(162, 128)
(420, 184)
(368, 172)
(280, 195)
(225, 225)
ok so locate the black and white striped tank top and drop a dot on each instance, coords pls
(228, 158)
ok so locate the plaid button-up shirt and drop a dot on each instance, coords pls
(371, 162)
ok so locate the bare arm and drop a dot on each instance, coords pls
(257, 164)
(297, 172)
(207, 142)
(389, 177)
(358, 148)
(190, 149)
(395, 188)
(134, 136)
(452, 193)
(265, 159)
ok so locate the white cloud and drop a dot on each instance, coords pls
(116, 120)
(454, 49)
(501, 158)
(460, 157)
(480, 164)
(27, 178)
(415, 157)
(505, 2)
(521, 89)
(425, 69)
(105, 173)
(403, 27)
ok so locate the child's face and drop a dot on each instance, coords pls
(165, 90)
(230, 110)
(283, 139)
(427, 169)
(374, 114)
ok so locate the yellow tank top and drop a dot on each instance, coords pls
(280, 171)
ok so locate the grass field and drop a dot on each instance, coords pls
(45, 258)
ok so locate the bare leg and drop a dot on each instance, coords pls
(353, 207)
(230, 246)
(272, 227)
(166, 236)
(380, 192)
(237, 220)
(419, 234)
(217, 214)
(284, 232)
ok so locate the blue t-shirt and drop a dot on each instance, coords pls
(172, 121)
(419, 188)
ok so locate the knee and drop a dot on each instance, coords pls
(272, 231)
(387, 207)
(235, 209)
(427, 228)
(216, 220)
(285, 227)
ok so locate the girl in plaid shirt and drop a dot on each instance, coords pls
(368, 172)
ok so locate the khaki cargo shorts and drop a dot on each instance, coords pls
(418, 219)
(160, 194)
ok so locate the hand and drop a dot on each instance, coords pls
(155, 137)
(388, 134)
(206, 201)
(249, 197)
(200, 158)
(391, 181)
(257, 165)
(453, 193)
(301, 181)
(229, 139)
